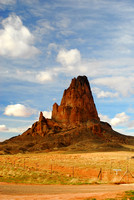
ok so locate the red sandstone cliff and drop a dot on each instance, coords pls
(43, 127)
(77, 108)
(77, 104)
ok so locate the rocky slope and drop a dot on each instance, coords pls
(74, 126)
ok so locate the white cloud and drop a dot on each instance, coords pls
(47, 114)
(123, 85)
(7, 2)
(30, 75)
(3, 128)
(71, 63)
(18, 130)
(104, 118)
(119, 119)
(104, 94)
(115, 75)
(44, 76)
(70, 57)
(19, 110)
(15, 39)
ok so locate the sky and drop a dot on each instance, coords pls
(46, 43)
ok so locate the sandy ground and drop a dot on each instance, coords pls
(61, 192)
(99, 196)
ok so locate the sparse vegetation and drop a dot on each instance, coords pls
(129, 195)
(62, 168)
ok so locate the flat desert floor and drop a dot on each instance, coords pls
(61, 192)
(60, 175)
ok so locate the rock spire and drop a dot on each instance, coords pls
(77, 104)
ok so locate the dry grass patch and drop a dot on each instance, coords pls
(62, 168)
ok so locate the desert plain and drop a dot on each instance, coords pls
(109, 170)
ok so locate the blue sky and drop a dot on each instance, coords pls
(45, 43)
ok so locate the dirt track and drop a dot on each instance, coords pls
(60, 192)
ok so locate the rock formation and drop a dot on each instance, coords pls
(43, 127)
(77, 108)
(75, 124)
(77, 104)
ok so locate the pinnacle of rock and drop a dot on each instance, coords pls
(77, 104)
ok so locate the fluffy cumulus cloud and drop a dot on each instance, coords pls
(44, 76)
(3, 128)
(117, 120)
(15, 39)
(70, 57)
(19, 110)
(120, 119)
(47, 114)
(71, 62)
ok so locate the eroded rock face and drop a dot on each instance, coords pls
(77, 104)
(77, 108)
(43, 127)
(42, 118)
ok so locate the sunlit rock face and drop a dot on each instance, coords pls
(77, 104)
(43, 127)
